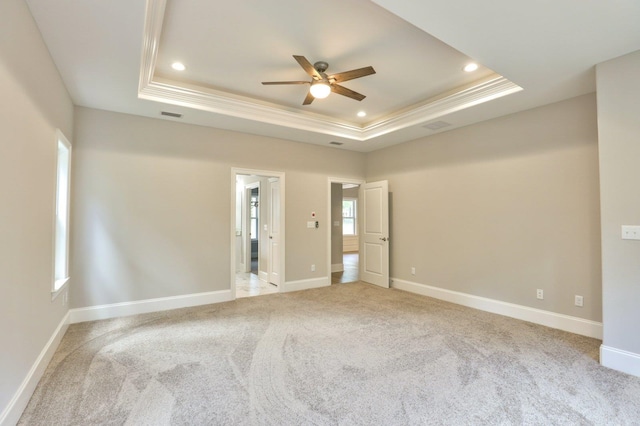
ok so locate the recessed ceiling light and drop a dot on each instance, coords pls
(471, 67)
(178, 66)
(362, 114)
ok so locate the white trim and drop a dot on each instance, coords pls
(618, 359)
(307, 284)
(154, 17)
(538, 316)
(61, 287)
(12, 412)
(493, 87)
(115, 310)
(337, 267)
(263, 276)
(57, 285)
(197, 97)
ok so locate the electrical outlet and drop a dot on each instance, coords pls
(313, 268)
(630, 232)
(579, 301)
(413, 270)
(539, 294)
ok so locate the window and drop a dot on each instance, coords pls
(61, 244)
(349, 223)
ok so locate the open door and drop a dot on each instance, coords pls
(374, 244)
(274, 232)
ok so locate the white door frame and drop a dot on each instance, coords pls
(232, 249)
(330, 181)
(274, 237)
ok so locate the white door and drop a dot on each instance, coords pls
(374, 244)
(274, 232)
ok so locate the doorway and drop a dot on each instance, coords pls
(344, 235)
(257, 254)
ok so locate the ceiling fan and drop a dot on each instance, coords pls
(323, 84)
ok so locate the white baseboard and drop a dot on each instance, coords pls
(538, 316)
(307, 284)
(115, 310)
(12, 412)
(337, 267)
(617, 359)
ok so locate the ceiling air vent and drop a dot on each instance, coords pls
(335, 143)
(171, 114)
(436, 125)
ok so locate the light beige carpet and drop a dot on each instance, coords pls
(349, 354)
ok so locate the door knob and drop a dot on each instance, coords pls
(384, 238)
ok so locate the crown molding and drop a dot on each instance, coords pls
(479, 92)
(176, 93)
(153, 19)
(155, 88)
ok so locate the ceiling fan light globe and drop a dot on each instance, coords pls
(320, 90)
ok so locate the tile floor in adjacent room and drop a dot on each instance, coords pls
(248, 284)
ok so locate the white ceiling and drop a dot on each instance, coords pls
(116, 55)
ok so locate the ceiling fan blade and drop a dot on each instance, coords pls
(341, 90)
(308, 99)
(350, 75)
(284, 82)
(307, 66)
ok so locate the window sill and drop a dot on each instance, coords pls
(59, 285)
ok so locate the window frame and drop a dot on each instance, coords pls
(61, 278)
(354, 217)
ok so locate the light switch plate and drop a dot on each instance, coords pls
(311, 224)
(630, 232)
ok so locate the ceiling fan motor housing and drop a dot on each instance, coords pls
(321, 66)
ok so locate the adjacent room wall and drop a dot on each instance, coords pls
(336, 231)
(501, 208)
(33, 103)
(619, 133)
(152, 205)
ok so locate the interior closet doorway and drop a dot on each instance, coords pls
(252, 192)
(344, 207)
(257, 254)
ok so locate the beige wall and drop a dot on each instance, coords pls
(619, 134)
(501, 208)
(33, 103)
(152, 205)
